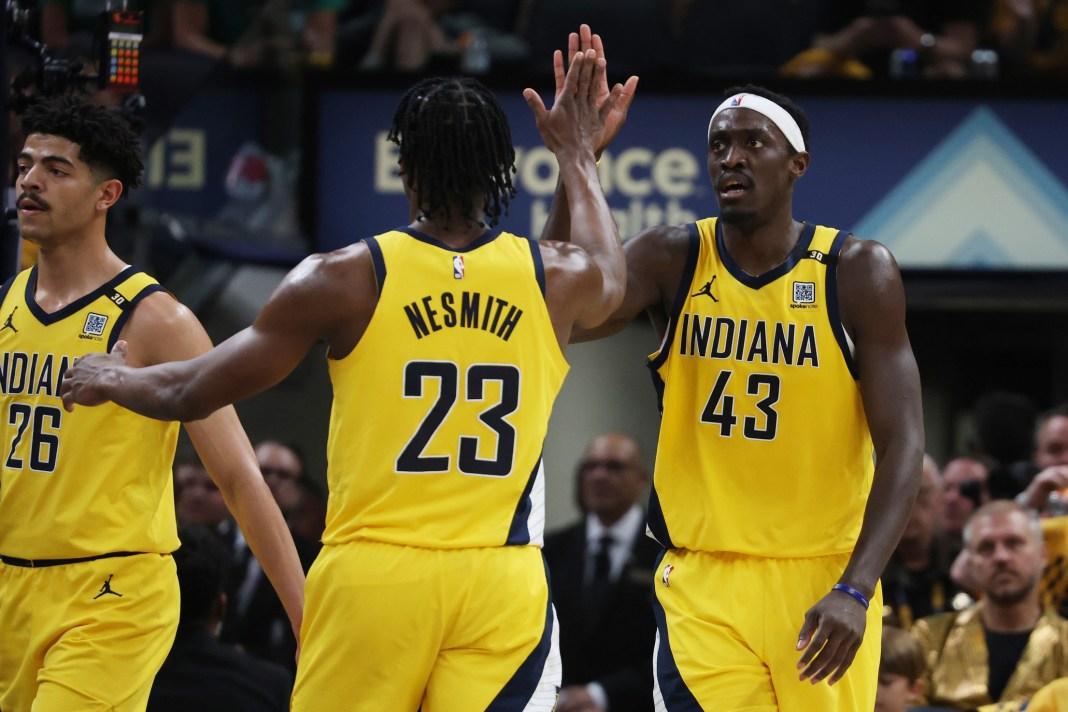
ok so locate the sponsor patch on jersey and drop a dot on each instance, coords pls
(94, 324)
(458, 267)
(804, 294)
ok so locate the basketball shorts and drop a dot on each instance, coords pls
(727, 630)
(390, 627)
(85, 636)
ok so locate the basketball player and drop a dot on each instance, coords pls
(88, 590)
(791, 440)
(445, 340)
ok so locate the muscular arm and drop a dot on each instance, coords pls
(326, 297)
(656, 260)
(873, 300)
(873, 311)
(161, 330)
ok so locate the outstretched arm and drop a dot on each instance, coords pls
(873, 309)
(319, 299)
(618, 97)
(569, 131)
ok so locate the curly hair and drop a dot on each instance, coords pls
(455, 146)
(795, 111)
(107, 143)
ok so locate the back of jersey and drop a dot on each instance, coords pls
(441, 410)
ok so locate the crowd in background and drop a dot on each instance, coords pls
(857, 39)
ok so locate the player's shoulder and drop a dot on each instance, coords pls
(866, 256)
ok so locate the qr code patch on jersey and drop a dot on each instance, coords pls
(804, 292)
(94, 324)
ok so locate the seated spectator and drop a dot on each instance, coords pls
(601, 570)
(197, 499)
(1006, 647)
(256, 34)
(964, 490)
(256, 619)
(1051, 459)
(942, 36)
(901, 671)
(916, 582)
(200, 673)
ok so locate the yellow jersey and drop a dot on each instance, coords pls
(764, 447)
(92, 481)
(440, 411)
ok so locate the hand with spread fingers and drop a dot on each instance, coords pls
(620, 96)
(576, 120)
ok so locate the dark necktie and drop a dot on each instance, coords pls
(600, 582)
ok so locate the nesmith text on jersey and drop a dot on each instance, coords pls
(468, 310)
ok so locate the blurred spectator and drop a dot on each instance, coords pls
(601, 570)
(708, 41)
(256, 619)
(257, 33)
(1032, 36)
(940, 36)
(308, 520)
(200, 673)
(901, 671)
(916, 582)
(1005, 439)
(964, 481)
(197, 500)
(1007, 646)
(1051, 459)
(411, 35)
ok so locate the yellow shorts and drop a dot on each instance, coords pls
(727, 628)
(399, 628)
(85, 636)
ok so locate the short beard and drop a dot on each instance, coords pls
(1014, 596)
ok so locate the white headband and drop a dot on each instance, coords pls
(778, 115)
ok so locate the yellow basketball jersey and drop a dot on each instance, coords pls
(440, 411)
(764, 446)
(92, 481)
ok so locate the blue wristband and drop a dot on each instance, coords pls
(857, 595)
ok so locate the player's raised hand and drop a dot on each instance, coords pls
(83, 381)
(621, 95)
(575, 121)
(830, 637)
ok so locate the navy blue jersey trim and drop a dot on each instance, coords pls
(516, 694)
(834, 313)
(539, 264)
(657, 523)
(483, 239)
(6, 288)
(677, 697)
(800, 250)
(518, 531)
(378, 261)
(78, 304)
(127, 310)
(680, 296)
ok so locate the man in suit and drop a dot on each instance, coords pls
(201, 672)
(601, 570)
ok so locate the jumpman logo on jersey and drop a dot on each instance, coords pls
(106, 588)
(706, 291)
(8, 324)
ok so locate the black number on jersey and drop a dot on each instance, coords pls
(413, 458)
(719, 410)
(44, 436)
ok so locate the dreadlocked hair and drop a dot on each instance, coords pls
(105, 140)
(455, 145)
